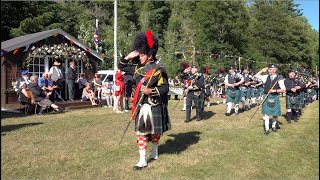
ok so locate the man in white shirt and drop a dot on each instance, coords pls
(57, 77)
(233, 82)
(273, 85)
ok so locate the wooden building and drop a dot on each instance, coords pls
(36, 53)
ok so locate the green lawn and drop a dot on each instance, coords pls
(83, 144)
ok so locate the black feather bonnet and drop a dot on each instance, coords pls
(145, 43)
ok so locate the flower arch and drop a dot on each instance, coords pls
(62, 50)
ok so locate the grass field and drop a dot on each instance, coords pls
(83, 144)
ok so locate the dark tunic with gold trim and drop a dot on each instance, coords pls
(293, 99)
(151, 114)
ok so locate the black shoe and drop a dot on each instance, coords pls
(138, 168)
(227, 114)
(266, 132)
(186, 121)
(274, 129)
(61, 110)
(296, 120)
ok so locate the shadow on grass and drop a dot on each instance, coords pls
(17, 113)
(180, 142)
(207, 115)
(9, 128)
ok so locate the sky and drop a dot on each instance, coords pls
(310, 9)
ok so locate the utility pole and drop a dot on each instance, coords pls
(115, 39)
(239, 63)
(194, 55)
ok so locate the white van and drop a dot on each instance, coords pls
(106, 75)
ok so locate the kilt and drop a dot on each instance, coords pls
(272, 111)
(313, 91)
(245, 92)
(45, 103)
(161, 121)
(255, 93)
(236, 99)
(260, 89)
(298, 102)
(303, 97)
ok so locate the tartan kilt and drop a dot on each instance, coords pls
(272, 111)
(161, 120)
(45, 103)
(260, 90)
(236, 99)
(255, 93)
(313, 91)
(297, 105)
(245, 93)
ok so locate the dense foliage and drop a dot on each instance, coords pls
(260, 31)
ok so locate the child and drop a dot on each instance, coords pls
(119, 92)
(106, 95)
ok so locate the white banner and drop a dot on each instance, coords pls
(175, 90)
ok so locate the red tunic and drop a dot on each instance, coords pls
(119, 84)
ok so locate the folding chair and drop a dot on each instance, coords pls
(34, 103)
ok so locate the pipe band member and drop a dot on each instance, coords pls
(150, 81)
(271, 106)
(233, 81)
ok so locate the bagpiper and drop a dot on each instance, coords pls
(221, 92)
(195, 93)
(151, 87)
(246, 89)
(273, 85)
(293, 97)
(233, 81)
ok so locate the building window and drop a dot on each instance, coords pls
(79, 67)
(37, 66)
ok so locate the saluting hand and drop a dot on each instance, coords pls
(132, 55)
(265, 69)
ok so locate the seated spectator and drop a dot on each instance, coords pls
(97, 83)
(43, 79)
(82, 81)
(106, 95)
(41, 97)
(88, 94)
(23, 96)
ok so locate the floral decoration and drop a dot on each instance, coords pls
(63, 51)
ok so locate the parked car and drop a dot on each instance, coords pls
(106, 75)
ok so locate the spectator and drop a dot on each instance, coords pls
(106, 95)
(118, 92)
(57, 78)
(82, 81)
(41, 97)
(43, 79)
(87, 94)
(71, 79)
(97, 83)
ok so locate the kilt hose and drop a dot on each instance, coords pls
(297, 104)
(237, 94)
(274, 110)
